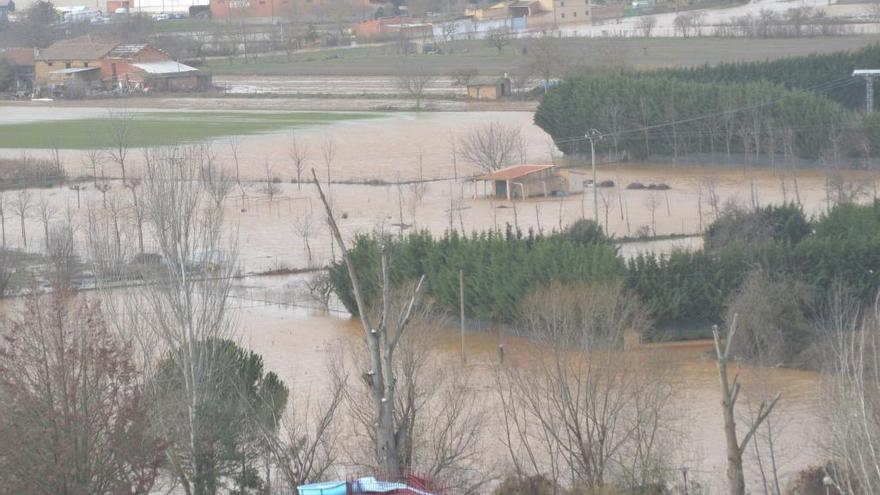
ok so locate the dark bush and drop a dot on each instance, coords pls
(771, 223)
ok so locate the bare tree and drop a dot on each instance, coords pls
(499, 38)
(646, 25)
(492, 146)
(308, 448)
(304, 226)
(439, 414)
(546, 60)
(328, 153)
(103, 188)
(381, 342)
(22, 206)
(217, 181)
(120, 135)
(235, 145)
(182, 310)
(736, 484)
(62, 252)
(271, 186)
(47, 212)
(137, 208)
(298, 153)
(73, 418)
(580, 412)
(414, 81)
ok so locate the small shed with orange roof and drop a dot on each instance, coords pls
(526, 181)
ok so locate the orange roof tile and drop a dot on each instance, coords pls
(514, 172)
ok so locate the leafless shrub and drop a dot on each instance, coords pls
(319, 289)
(120, 132)
(308, 446)
(581, 412)
(646, 25)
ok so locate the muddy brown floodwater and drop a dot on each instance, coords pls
(296, 343)
(401, 146)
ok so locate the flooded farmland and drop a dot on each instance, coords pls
(370, 165)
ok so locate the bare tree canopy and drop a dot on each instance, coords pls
(493, 146)
(582, 413)
(72, 405)
(414, 82)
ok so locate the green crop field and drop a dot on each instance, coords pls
(160, 128)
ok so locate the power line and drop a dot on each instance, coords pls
(822, 87)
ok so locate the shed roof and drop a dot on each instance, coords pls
(73, 70)
(514, 172)
(164, 67)
(486, 81)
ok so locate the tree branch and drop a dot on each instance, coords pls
(355, 283)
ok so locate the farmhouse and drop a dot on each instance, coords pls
(488, 88)
(526, 181)
(126, 66)
(144, 67)
(22, 61)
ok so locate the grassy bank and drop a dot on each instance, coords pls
(161, 128)
(477, 55)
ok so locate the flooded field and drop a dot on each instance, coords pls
(297, 344)
(328, 85)
(287, 231)
(399, 147)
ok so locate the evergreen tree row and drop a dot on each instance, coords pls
(664, 116)
(828, 73)
(684, 288)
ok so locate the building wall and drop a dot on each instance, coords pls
(124, 68)
(42, 68)
(472, 29)
(483, 91)
(237, 9)
(572, 11)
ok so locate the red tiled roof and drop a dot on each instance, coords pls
(514, 172)
(18, 56)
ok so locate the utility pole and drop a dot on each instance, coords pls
(594, 135)
(869, 75)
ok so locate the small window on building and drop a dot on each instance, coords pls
(85, 64)
(50, 64)
(562, 4)
(563, 15)
(66, 65)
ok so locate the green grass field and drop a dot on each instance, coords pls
(587, 53)
(161, 128)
